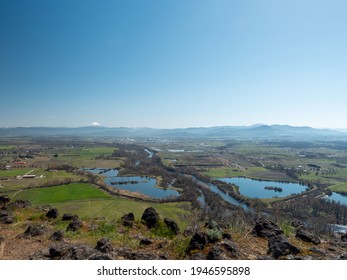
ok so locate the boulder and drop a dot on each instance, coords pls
(215, 253)
(128, 219)
(279, 246)
(33, 231)
(297, 224)
(231, 248)
(197, 242)
(66, 251)
(74, 225)
(69, 217)
(266, 228)
(19, 204)
(172, 225)
(104, 245)
(4, 199)
(145, 241)
(57, 236)
(150, 217)
(52, 214)
(307, 236)
(6, 217)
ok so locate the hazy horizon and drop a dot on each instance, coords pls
(173, 64)
(187, 127)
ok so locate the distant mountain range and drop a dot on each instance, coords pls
(260, 131)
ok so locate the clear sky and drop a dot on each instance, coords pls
(173, 63)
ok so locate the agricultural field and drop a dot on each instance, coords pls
(341, 188)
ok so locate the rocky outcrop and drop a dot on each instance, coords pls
(150, 217)
(128, 219)
(69, 217)
(74, 225)
(104, 245)
(52, 214)
(57, 235)
(33, 231)
(172, 225)
(19, 204)
(307, 236)
(266, 228)
(197, 242)
(67, 251)
(4, 199)
(279, 246)
(6, 217)
(145, 241)
(215, 253)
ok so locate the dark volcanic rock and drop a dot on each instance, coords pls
(297, 224)
(190, 230)
(74, 226)
(226, 235)
(230, 247)
(67, 251)
(52, 214)
(129, 254)
(280, 246)
(69, 217)
(145, 241)
(128, 219)
(307, 236)
(4, 199)
(198, 242)
(33, 231)
(6, 217)
(172, 225)
(104, 245)
(150, 217)
(19, 204)
(57, 236)
(266, 228)
(215, 253)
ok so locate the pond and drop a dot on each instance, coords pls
(144, 185)
(223, 195)
(338, 197)
(264, 189)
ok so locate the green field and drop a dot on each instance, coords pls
(62, 193)
(223, 172)
(88, 201)
(114, 208)
(86, 157)
(6, 147)
(342, 188)
(254, 172)
(12, 173)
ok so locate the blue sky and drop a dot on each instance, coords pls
(173, 63)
